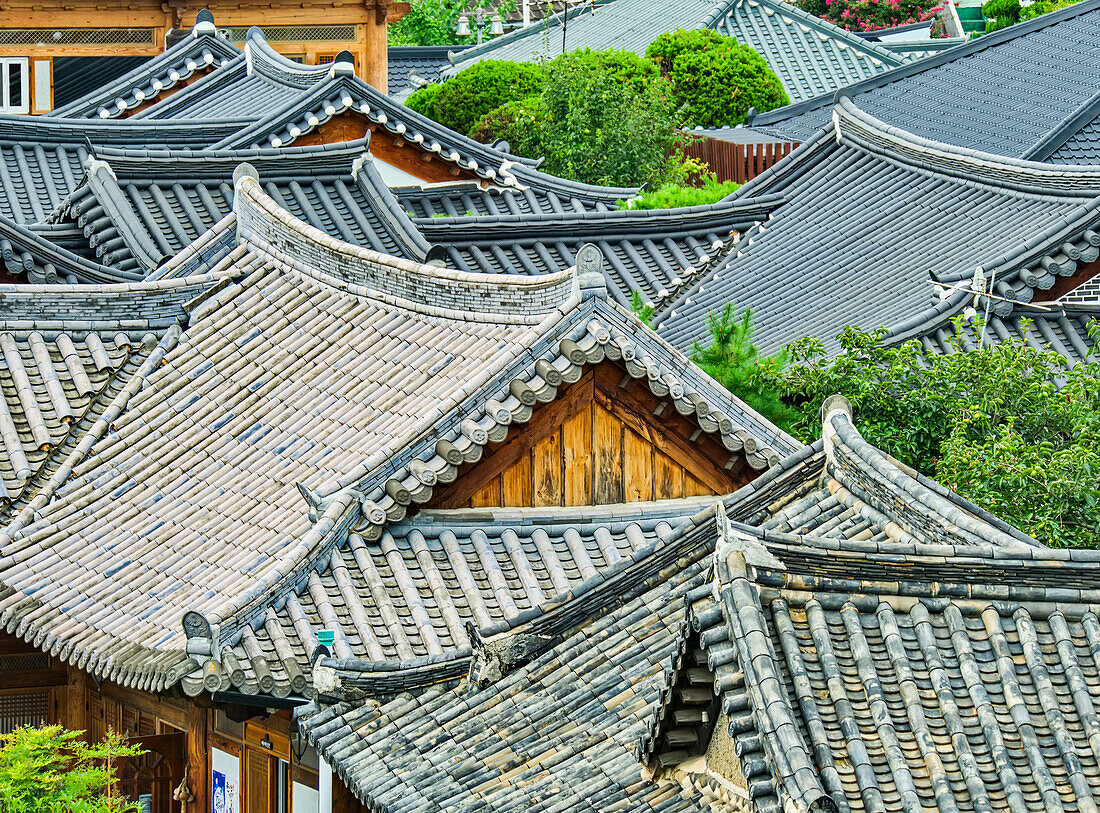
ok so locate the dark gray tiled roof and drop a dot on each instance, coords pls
(198, 53)
(651, 252)
(139, 207)
(871, 220)
(1075, 141)
(809, 55)
(850, 664)
(75, 77)
(26, 253)
(423, 61)
(1000, 93)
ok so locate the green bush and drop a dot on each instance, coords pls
(989, 423)
(673, 196)
(602, 130)
(48, 770)
(462, 101)
(423, 99)
(995, 9)
(715, 79)
(625, 66)
(1043, 7)
(519, 123)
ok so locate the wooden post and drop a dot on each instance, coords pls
(343, 801)
(198, 767)
(375, 65)
(76, 702)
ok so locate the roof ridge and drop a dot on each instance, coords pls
(1016, 174)
(272, 230)
(1057, 137)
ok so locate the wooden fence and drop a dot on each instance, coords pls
(737, 162)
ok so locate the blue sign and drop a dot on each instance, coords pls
(218, 794)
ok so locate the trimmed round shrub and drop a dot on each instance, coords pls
(715, 79)
(519, 123)
(463, 100)
(422, 100)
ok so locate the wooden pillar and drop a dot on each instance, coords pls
(343, 800)
(76, 700)
(374, 61)
(198, 755)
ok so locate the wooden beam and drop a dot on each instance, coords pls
(545, 420)
(343, 801)
(172, 713)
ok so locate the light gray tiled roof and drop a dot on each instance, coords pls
(810, 56)
(275, 384)
(1000, 93)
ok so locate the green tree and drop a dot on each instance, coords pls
(715, 80)
(603, 130)
(1011, 428)
(51, 770)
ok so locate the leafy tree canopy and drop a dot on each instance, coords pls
(1011, 428)
(462, 101)
(49, 769)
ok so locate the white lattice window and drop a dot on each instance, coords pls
(14, 85)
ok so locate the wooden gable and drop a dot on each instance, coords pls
(386, 147)
(605, 439)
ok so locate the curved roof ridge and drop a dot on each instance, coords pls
(271, 229)
(907, 69)
(122, 306)
(633, 220)
(210, 162)
(35, 255)
(270, 63)
(1029, 177)
(42, 129)
(199, 49)
(923, 511)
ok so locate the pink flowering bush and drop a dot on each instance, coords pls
(870, 15)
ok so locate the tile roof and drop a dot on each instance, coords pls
(195, 55)
(459, 371)
(139, 207)
(545, 711)
(1025, 224)
(555, 735)
(810, 56)
(962, 96)
(894, 676)
(651, 252)
(424, 62)
(533, 194)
